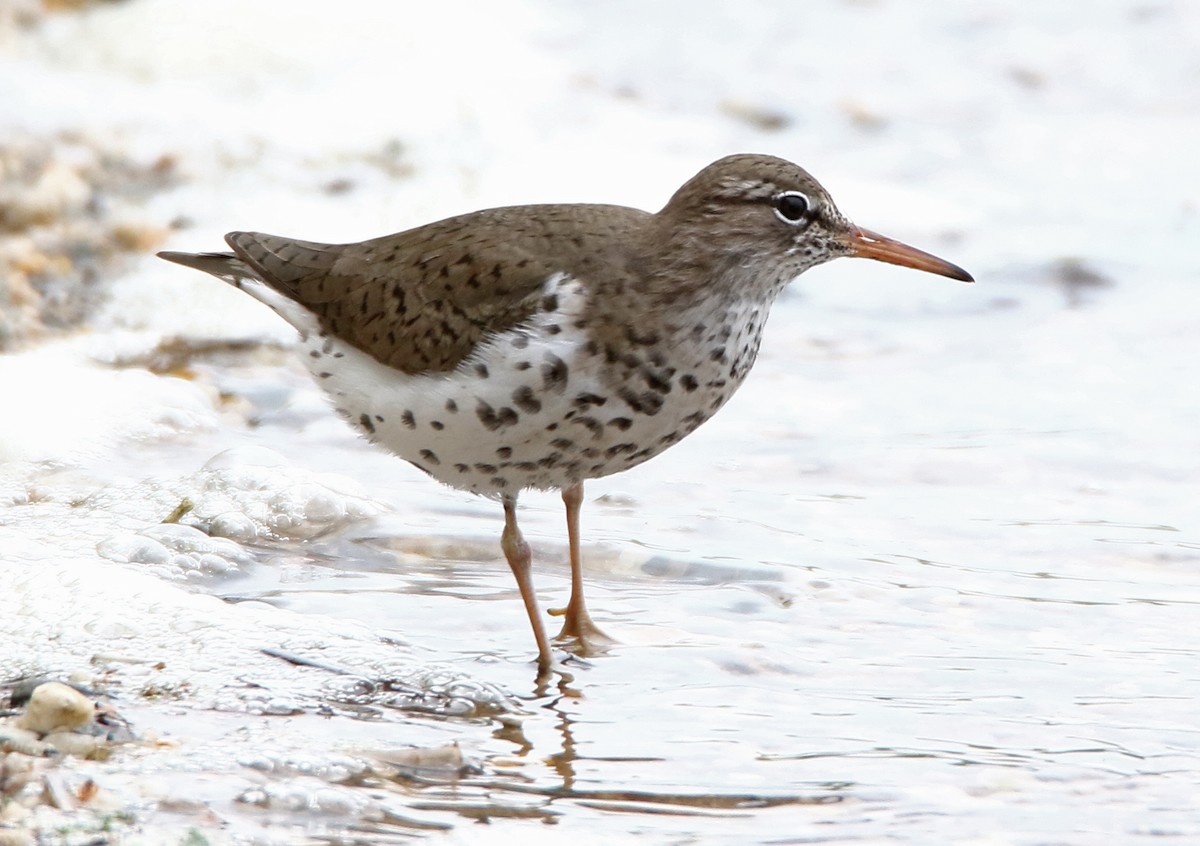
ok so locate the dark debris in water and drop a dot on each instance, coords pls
(1077, 280)
(362, 695)
(177, 356)
(483, 801)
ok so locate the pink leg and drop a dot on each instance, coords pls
(520, 560)
(577, 623)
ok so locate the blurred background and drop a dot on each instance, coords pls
(930, 577)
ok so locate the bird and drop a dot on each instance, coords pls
(542, 346)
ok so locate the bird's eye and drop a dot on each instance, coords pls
(793, 208)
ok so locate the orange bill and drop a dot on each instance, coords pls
(867, 244)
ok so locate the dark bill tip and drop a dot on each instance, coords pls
(864, 243)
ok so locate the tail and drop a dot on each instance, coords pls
(244, 276)
(225, 266)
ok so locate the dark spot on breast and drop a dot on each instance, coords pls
(562, 443)
(622, 423)
(554, 373)
(494, 419)
(657, 380)
(451, 406)
(689, 383)
(365, 421)
(550, 302)
(523, 365)
(461, 468)
(641, 339)
(647, 402)
(553, 329)
(593, 425)
(486, 468)
(481, 371)
(429, 456)
(408, 420)
(520, 341)
(525, 400)
(487, 416)
(504, 452)
(718, 355)
(437, 425)
(526, 466)
(587, 400)
(499, 482)
(314, 354)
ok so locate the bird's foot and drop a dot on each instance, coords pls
(579, 634)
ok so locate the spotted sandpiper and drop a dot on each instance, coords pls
(540, 346)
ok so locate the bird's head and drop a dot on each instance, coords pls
(770, 219)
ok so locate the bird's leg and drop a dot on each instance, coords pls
(520, 560)
(577, 623)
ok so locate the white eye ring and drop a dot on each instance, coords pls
(793, 208)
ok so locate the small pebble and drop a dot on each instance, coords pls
(80, 745)
(20, 741)
(55, 707)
